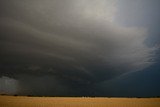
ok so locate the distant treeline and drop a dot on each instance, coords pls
(80, 96)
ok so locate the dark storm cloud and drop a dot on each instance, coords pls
(74, 41)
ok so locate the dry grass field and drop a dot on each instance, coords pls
(16, 101)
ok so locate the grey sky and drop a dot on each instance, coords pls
(72, 44)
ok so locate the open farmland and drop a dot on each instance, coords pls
(12, 101)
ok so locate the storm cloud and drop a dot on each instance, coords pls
(73, 43)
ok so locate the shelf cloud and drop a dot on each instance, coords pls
(75, 41)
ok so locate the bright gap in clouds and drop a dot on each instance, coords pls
(103, 10)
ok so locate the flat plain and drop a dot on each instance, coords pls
(24, 101)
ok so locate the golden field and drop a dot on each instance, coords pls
(22, 101)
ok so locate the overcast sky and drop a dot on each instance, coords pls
(80, 47)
